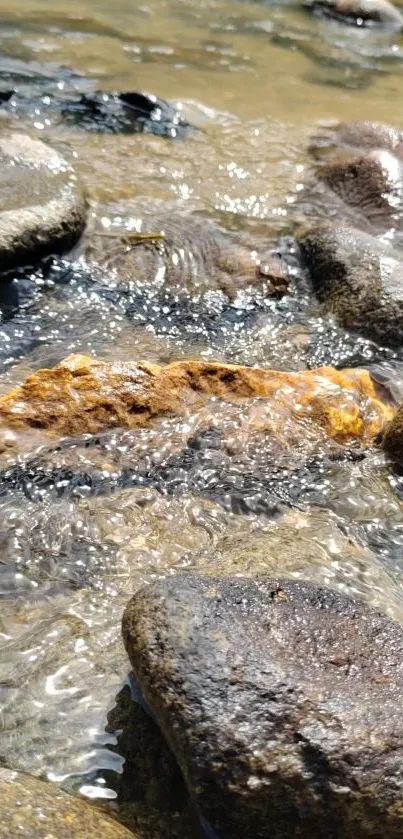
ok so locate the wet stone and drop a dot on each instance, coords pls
(393, 438)
(125, 112)
(370, 184)
(360, 135)
(280, 700)
(58, 94)
(32, 808)
(82, 395)
(43, 209)
(359, 12)
(112, 113)
(360, 280)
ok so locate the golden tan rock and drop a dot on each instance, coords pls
(83, 395)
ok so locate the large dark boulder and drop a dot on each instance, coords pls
(42, 206)
(359, 278)
(281, 702)
(33, 809)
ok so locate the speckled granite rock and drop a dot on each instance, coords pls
(281, 701)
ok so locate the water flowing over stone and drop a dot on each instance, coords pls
(82, 395)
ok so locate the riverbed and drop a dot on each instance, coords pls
(257, 81)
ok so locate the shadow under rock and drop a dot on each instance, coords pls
(152, 797)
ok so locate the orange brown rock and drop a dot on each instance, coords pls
(83, 395)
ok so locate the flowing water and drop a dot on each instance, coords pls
(84, 525)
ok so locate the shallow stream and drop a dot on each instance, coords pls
(83, 526)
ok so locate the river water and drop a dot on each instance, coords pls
(257, 80)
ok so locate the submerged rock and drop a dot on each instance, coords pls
(371, 183)
(190, 256)
(43, 208)
(32, 808)
(359, 12)
(361, 135)
(126, 112)
(82, 395)
(359, 278)
(280, 700)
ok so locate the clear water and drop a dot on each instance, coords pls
(83, 526)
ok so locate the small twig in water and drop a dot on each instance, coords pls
(133, 238)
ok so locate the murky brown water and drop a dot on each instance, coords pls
(255, 79)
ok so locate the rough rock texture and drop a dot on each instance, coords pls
(370, 135)
(192, 256)
(359, 278)
(360, 136)
(360, 11)
(42, 207)
(371, 183)
(82, 395)
(281, 702)
(37, 810)
(393, 437)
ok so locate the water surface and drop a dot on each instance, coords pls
(82, 527)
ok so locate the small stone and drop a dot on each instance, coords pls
(392, 441)
(359, 279)
(42, 205)
(359, 12)
(371, 183)
(188, 256)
